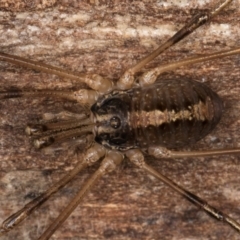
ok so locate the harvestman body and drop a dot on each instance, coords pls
(133, 117)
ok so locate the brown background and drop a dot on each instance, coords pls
(106, 37)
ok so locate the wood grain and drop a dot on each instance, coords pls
(106, 37)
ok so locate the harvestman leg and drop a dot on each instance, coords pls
(93, 154)
(162, 152)
(48, 133)
(57, 131)
(64, 115)
(94, 81)
(150, 76)
(85, 97)
(127, 79)
(103, 85)
(136, 156)
(109, 163)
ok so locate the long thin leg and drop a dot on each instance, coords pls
(83, 96)
(38, 129)
(90, 157)
(54, 132)
(53, 137)
(94, 81)
(63, 116)
(108, 164)
(150, 76)
(162, 152)
(137, 158)
(127, 79)
(83, 141)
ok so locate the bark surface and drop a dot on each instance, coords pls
(106, 37)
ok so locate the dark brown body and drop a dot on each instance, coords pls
(169, 113)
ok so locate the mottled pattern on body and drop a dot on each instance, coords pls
(170, 113)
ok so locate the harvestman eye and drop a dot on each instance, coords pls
(115, 122)
(158, 116)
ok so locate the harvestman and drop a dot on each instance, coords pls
(105, 127)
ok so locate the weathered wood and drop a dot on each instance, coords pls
(106, 37)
